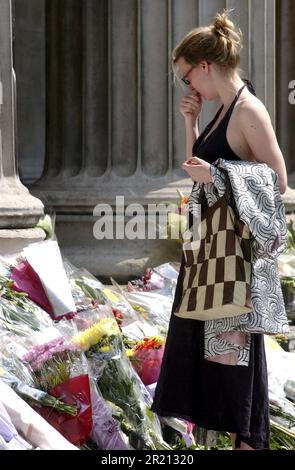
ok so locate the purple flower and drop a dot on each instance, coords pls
(57, 344)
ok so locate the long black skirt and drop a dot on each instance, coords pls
(212, 395)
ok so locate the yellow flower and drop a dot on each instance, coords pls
(81, 341)
(129, 352)
(104, 349)
(109, 326)
(93, 334)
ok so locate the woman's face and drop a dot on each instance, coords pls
(199, 77)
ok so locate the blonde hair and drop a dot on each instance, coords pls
(220, 42)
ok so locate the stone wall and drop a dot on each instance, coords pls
(98, 110)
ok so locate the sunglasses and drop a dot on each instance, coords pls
(184, 79)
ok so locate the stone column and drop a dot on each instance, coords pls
(18, 208)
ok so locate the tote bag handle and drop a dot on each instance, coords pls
(228, 194)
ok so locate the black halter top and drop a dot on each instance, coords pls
(216, 144)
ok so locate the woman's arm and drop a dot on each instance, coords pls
(257, 129)
(191, 133)
(190, 107)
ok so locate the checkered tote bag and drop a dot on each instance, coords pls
(217, 275)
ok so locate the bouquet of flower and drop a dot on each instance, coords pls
(52, 363)
(144, 313)
(15, 374)
(146, 358)
(57, 368)
(18, 313)
(119, 384)
(50, 369)
(40, 273)
(155, 307)
(149, 281)
(86, 290)
(89, 294)
(30, 425)
(106, 432)
(160, 279)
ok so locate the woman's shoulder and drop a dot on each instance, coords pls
(259, 136)
(251, 108)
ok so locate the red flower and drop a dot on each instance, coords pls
(118, 315)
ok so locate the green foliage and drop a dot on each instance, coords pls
(281, 438)
(291, 238)
(47, 225)
(91, 292)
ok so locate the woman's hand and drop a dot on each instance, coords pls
(198, 170)
(191, 106)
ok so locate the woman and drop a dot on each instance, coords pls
(218, 395)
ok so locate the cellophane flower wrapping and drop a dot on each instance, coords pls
(25, 279)
(9, 437)
(21, 320)
(30, 424)
(106, 431)
(146, 358)
(17, 375)
(86, 289)
(54, 365)
(18, 313)
(149, 281)
(160, 279)
(135, 324)
(116, 380)
(57, 368)
(43, 367)
(39, 272)
(141, 314)
(155, 307)
(87, 292)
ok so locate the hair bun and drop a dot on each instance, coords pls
(220, 42)
(223, 25)
(228, 38)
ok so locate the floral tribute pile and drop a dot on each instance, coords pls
(79, 361)
(82, 357)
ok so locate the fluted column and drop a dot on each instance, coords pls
(18, 208)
